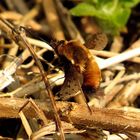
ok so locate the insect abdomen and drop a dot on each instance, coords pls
(92, 76)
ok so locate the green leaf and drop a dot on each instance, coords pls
(120, 17)
(114, 13)
(129, 3)
(92, 1)
(84, 9)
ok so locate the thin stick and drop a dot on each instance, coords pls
(53, 19)
(49, 92)
(126, 78)
(39, 43)
(119, 58)
(7, 46)
(67, 21)
(12, 51)
(123, 97)
(103, 101)
(114, 81)
(50, 129)
(30, 15)
(10, 15)
(105, 53)
(25, 124)
(40, 113)
(32, 61)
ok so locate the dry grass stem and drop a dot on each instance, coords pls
(25, 124)
(135, 76)
(68, 23)
(11, 15)
(111, 54)
(114, 82)
(119, 58)
(123, 97)
(39, 43)
(30, 15)
(53, 19)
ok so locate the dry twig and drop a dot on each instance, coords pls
(109, 119)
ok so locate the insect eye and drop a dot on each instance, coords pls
(61, 42)
(78, 68)
(55, 44)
